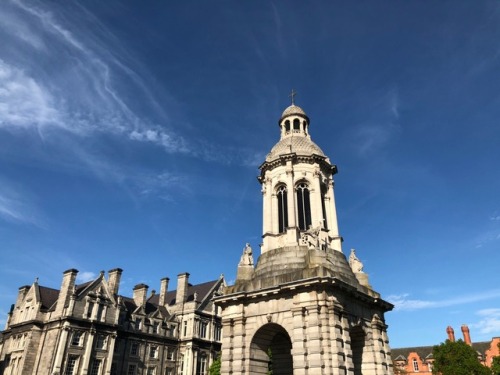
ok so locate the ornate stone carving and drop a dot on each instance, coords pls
(355, 263)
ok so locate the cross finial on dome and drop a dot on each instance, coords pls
(292, 95)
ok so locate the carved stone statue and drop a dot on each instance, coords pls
(246, 257)
(355, 263)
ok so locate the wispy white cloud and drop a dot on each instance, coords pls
(490, 321)
(403, 302)
(16, 207)
(85, 276)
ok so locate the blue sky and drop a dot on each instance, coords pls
(131, 135)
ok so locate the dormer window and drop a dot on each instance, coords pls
(415, 365)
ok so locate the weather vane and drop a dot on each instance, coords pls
(292, 95)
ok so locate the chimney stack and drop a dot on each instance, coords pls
(114, 277)
(140, 294)
(67, 288)
(451, 334)
(182, 287)
(163, 291)
(466, 333)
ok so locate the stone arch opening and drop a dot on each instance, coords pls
(357, 335)
(271, 349)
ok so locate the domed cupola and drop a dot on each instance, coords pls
(293, 122)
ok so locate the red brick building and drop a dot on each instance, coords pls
(419, 360)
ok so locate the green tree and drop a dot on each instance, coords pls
(495, 366)
(457, 358)
(215, 367)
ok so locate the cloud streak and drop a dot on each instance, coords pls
(402, 302)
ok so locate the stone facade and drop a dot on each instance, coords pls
(303, 308)
(91, 329)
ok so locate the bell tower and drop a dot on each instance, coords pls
(303, 308)
(297, 187)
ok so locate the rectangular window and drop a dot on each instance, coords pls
(203, 329)
(153, 351)
(415, 365)
(138, 324)
(77, 338)
(96, 367)
(170, 354)
(217, 332)
(156, 327)
(131, 369)
(71, 365)
(100, 342)
(181, 370)
(151, 371)
(169, 371)
(134, 348)
(90, 308)
(185, 328)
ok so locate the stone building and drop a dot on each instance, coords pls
(91, 329)
(303, 308)
(419, 360)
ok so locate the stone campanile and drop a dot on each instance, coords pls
(303, 308)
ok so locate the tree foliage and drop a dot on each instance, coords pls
(457, 358)
(215, 367)
(495, 366)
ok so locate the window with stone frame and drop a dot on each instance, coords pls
(203, 329)
(71, 365)
(132, 369)
(100, 342)
(217, 332)
(77, 338)
(151, 370)
(303, 206)
(153, 351)
(134, 348)
(324, 191)
(96, 367)
(156, 327)
(90, 309)
(281, 195)
(202, 365)
(170, 353)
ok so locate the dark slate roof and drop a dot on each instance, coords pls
(202, 290)
(81, 287)
(48, 296)
(426, 351)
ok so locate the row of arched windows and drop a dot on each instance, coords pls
(303, 201)
(295, 124)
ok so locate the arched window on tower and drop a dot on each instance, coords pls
(303, 206)
(287, 126)
(296, 124)
(323, 206)
(282, 209)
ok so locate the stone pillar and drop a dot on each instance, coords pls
(227, 347)
(299, 339)
(267, 193)
(290, 184)
(326, 325)
(314, 341)
(195, 361)
(240, 360)
(316, 207)
(88, 351)
(61, 346)
(333, 228)
(111, 350)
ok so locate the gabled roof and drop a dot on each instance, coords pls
(425, 352)
(202, 291)
(48, 296)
